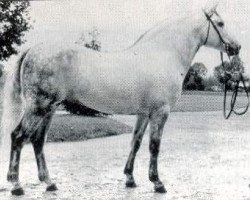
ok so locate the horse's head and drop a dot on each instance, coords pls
(217, 36)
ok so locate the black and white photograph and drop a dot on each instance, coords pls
(125, 99)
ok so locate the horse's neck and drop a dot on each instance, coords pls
(183, 38)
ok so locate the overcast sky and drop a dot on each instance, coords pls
(122, 22)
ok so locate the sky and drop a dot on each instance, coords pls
(120, 23)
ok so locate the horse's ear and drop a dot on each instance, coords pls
(211, 7)
(215, 7)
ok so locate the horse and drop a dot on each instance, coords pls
(144, 80)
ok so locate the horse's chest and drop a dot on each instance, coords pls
(167, 89)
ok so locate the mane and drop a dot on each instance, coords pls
(145, 33)
(164, 23)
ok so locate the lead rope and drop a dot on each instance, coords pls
(234, 95)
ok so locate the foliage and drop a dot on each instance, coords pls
(93, 45)
(212, 84)
(229, 72)
(194, 79)
(91, 41)
(14, 22)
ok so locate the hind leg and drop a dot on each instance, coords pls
(17, 142)
(141, 124)
(19, 137)
(30, 122)
(37, 141)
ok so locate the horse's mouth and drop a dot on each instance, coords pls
(231, 51)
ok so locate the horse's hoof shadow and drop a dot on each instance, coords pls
(51, 188)
(160, 189)
(17, 191)
(130, 184)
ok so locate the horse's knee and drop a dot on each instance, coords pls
(37, 143)
(160, 112)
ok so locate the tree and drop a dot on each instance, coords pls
(195, 77)
(14, 22)
(212, 84)
(91, 41)
(229, 72)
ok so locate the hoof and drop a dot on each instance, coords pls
(130, 184)
(160, 189)
(17, 191)
(51, 188)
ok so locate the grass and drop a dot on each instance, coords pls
(199, 101)
(74, 128)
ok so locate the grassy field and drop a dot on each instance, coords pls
(74, 128)
(199, 101)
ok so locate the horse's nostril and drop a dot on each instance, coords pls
(233, 50)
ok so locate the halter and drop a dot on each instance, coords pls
(210, 21)
(241, 78)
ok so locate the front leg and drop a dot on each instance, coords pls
(157, 122)
(141, 125)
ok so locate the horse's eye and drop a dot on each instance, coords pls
(220, 24)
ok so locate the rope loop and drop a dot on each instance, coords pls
(234, 95)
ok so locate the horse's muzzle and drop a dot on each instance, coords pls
(232, 49)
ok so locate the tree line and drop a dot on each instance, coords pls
(198, 79)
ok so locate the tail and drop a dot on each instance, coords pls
(12, 106)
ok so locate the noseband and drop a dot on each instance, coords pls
(210, 21)
(241, 78)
